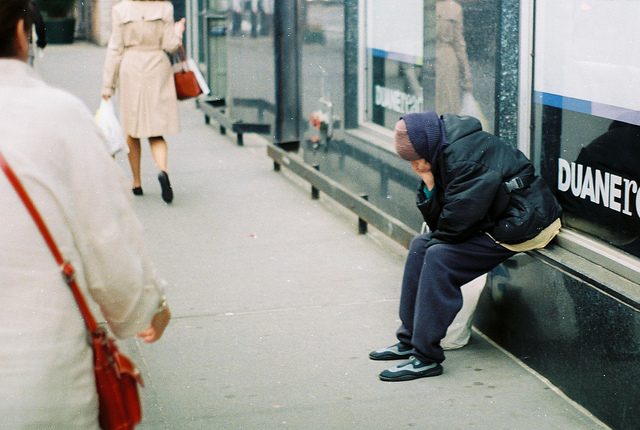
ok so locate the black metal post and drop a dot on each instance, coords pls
(287, 43)
(315, 193)
(362, 224)
(351, 35)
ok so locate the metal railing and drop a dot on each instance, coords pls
(367, 213)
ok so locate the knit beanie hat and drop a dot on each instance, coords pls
(404, 148)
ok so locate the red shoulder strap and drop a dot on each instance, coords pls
(65, 266)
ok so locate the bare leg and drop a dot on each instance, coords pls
(134, 159)
(159, 152)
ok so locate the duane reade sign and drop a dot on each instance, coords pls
(603, 188)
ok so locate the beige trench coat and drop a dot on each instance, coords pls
(137, 64)
(453, 76)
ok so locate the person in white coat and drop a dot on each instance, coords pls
(52, 143)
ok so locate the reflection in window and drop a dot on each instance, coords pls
(587, 116)
(456, 74)
(598, 177)
(453, 77)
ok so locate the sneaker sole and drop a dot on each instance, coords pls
(436, 371)
(391, 356)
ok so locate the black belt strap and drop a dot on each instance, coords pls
(518, 182)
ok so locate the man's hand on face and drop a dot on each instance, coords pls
(423, 168)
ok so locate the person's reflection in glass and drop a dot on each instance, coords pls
(453, 76)
(451, 68)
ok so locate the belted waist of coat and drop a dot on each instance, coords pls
(142, 48)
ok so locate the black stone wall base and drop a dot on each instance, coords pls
(584, 341)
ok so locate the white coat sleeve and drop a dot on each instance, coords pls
(118, 272)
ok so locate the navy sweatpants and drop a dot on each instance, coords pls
(431, 296)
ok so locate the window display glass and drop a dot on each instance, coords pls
(587, 115)
(430, 55)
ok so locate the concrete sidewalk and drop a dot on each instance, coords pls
(277, 302)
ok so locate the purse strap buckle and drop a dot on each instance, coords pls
(68, 271)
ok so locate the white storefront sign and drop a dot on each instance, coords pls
(596, 68)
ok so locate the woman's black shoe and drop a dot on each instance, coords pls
(137, 191)
(167, 192)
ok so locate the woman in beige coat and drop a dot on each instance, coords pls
(453, 76)
(137, 64)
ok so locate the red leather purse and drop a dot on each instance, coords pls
(186, 82)
(117, 378)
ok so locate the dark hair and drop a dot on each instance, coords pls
(11, 12)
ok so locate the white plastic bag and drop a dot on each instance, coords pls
(191, 64)
(108, 123)
(459, 331)
(471, 107)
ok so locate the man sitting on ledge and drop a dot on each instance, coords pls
(483, 203)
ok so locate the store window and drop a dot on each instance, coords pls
(430, 55)
(586, 114)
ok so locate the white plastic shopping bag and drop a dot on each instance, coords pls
(108, 123)
(471, 107)
(191, 64)
(459, 331)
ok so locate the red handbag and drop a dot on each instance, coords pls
(117, 378)
(186, 82)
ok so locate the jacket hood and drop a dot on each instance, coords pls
(456, 127)
(427, 135)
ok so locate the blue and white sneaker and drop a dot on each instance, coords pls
(411, 369)
(399, 351)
